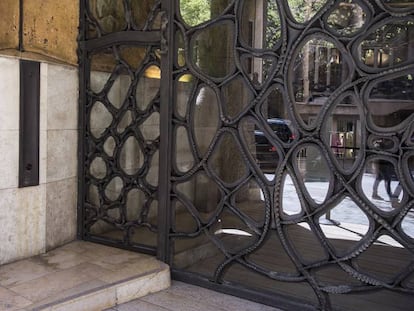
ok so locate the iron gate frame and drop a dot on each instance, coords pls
(165, 39)
(85, 47)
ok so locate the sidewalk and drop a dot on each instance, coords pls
(186, 297)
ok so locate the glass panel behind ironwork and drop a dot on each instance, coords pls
(294, 170)
(123, 143)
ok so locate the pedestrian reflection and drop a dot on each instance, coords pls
(384, 170)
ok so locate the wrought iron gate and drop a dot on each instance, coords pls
(261, 148)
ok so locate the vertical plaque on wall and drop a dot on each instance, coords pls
(29, 123)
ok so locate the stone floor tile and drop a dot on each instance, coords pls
(54, 283)
(77, 290)
(95, 301)
(143, 285)
(131, 269)
(179, 303)
(231, 303)
(139, 305)
(62, 259)
(23, 271)
(10, 301)
(116, 261)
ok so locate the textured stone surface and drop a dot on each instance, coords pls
(147, 284)
(60, 212)
(9, 159)
(9, 93)
(54, 283)
(51, 27)
(22, 222)
(62, 97)
(10, 301)
(181, 297)
(9, 24)
(25, 226)
(95, 301)
(70, 278)
(23, 271)
(61, 154)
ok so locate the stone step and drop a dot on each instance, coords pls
(80, 276)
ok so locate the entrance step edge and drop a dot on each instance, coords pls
(113, 294)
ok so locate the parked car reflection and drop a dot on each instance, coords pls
(266, 155)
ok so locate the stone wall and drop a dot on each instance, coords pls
(35, 219)
(50, 29)
(39, 218)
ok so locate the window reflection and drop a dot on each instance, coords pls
(242, 122)
(391, 101)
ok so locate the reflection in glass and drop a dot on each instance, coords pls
(131, 157)
(147, 89)
(114, 188)
(125, 122)
(132, 55)
(106, 229)
(183, 154)
(249, 200)
(304, 10)
(381, 186)
(198, 12)
(226, 160)
(152, 175)
(93, 196)
(180, 52)
(184, 221)
(150, 129)
(119, 90)
(257, 69)
(351, 224)
(267, 155)
(232, 232)
(102, 65)
(343, 132)
(306, 243)
(395, 258)
(318, 70)
(212, 51)
(98, 168)
(100, 119)
(206, 117)
(109, 146)
(203, 192)
(315, 172)
(388, 45)
(252, 25)
(109, 14)
(184, 89)
(407, 224)
(264, 153)
(391, 101)
(411, 166)
(98, 80)
(290, 200)
(140, 209)
(141, 11)
(236, 96)
(347, 19)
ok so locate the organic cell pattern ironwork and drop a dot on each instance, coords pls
(121, 128)
(292, 152)
(279, 133)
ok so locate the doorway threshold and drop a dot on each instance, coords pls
(80, 276)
